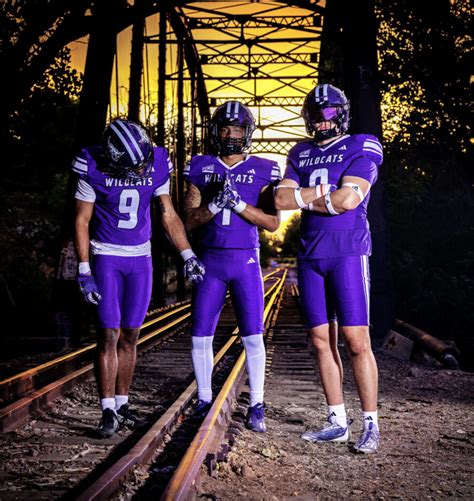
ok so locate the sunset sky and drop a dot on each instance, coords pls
(285, 79)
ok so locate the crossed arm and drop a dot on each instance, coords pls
(197, 215)
(342, 199)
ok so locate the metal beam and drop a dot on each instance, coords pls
(249, 42)
(254, 22)
(273, 58)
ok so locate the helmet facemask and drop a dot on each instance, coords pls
(229, 114)
(326, 104)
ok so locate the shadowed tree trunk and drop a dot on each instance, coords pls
(94, 101)
(362, 88)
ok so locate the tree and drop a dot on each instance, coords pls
(424, 55)
(291, 238)
(32, 190)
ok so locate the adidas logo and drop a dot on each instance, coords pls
(343, 147)
(208, 168)
(251, 171)
(251, 261)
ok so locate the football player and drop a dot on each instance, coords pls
(329, 177)
(229, 197)
(117, 182)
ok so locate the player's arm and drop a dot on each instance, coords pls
(265, 216)
(194, 214)
(86, 281)
(351, 193)
(172, 223)
(84, 211)
(174, 228)
(288, 195)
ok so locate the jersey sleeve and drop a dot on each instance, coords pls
(84, 191)
(290, 172)
(187, 172)
(275, 174)
(80, 164)
(191, 171)
(371, 148)
(363, 167)
(164, 167)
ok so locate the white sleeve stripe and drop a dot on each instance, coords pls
(375, 146)
(373, 142)
(80, 168)
(372, 150)
(80, 159)
(164, 189)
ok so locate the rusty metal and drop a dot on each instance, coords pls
(210, 434)
(15, 413)
(212, 430)
(31, 379)
(145, 449)
(446, 354)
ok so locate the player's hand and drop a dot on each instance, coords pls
(194, 270)
(235, 202)
(220, 200)
(89, 289)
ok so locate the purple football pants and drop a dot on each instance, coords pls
(335, 288)
(125, 286)
(238, 270)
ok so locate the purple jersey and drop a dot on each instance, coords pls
(227, 229)
(323, 235)
(122, 206)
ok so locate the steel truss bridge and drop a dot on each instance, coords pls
(265, 54)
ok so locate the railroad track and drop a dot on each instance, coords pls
(162, 373)
(25, 393)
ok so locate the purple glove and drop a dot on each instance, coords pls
(194, 270)
(89, 289)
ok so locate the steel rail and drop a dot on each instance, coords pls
(26, 381)
(13, 414)
(144, 450)
(185, 475)
(19, 384)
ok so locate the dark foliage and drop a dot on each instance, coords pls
(33, 187)
(426, 104)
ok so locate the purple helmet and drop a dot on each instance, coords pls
(128, 149)
(231, 113)
(326, 103)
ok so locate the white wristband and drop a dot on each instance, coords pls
(84, 268)
(299, 199)
(187, 253)
(321, 190)
(330, 208)
(213, 208)
(241, 206)
(356, 188)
